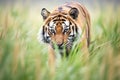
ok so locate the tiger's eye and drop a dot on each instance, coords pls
(66, 29)
(52, 31)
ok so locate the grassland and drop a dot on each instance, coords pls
(23, 58)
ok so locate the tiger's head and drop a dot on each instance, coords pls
(60, 28)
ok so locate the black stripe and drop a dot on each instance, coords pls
(76, 29)
(57, 16)
(73, 29)
(48, 24)
(70, 23)
(43, 32)
(63, 20)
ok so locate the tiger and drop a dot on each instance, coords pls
(65, 25)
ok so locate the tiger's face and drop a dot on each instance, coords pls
(60, 29)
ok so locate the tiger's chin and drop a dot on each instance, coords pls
(64, 49)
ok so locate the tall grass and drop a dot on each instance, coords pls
(23, 58)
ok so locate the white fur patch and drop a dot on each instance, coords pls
(67, 23)
(39, 35)
(51, 23)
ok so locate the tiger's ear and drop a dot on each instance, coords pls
(45, 13)
(74, 13)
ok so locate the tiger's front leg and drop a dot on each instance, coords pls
(51, 60)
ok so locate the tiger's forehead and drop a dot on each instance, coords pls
(56, 19)
(52, 23)
(59, 17)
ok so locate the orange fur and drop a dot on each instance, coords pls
(82, 21)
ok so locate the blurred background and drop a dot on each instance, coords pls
(22, 57)
(56, 2)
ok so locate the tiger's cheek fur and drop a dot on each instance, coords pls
(65, 38)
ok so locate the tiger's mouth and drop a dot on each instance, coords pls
(63, 49)
(58, 46)
(63, 46)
